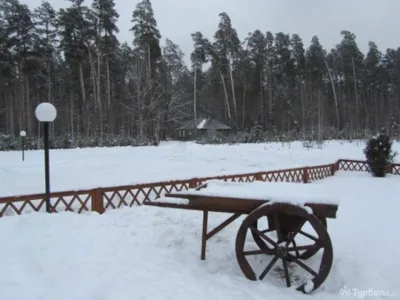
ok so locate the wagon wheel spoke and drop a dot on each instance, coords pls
(265, 237)
(268, 268)
(305, 267)
(286, 272)
(295, 248)
(261, 243)
(308, 253)
(311, 237)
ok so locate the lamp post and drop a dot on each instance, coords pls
(46, 113)
(22, 134)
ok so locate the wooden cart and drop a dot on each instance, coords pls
(286, 211)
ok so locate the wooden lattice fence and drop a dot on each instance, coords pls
(362, 166)
(103, 199)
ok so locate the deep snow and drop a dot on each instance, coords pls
(153, 253)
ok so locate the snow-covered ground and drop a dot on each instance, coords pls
(153, 253)
(79, 169)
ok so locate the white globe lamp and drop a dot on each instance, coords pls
(46, 112)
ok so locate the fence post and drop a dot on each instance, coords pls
(333, 169)
(391, 169)
(258, 177)
(305, 175)
(338, 164)
(193, 183)
(97, 201)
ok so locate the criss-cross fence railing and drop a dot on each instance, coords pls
(362, 166)
(103, 199)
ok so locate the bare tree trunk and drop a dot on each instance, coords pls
(49, 86)
(270, 98)
(84, 102)
(111, 116)
(11, 115)
(195, 97)
(156, 133)
(149, 61)
(334, 94)
(262, 100)
(82, 84)
(108, 82)
(99, 100)
(320, 117)
(93, 78)
(303, 111)
(226, 96)
(28, 111)
(137, 76)
(233, 91)
(356, 96)
(49, 93)
(244, 105)
(72, 118)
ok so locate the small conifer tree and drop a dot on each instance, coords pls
(256, 134)
(378, 152)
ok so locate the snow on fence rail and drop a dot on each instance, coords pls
(103, 199)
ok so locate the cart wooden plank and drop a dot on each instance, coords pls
(219, 196)
(288, 192)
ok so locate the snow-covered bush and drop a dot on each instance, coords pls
(379, 155)
(256, 134)
(241, 137)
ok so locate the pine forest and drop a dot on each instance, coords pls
(109, 93)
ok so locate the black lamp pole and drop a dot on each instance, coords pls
(23, 147)
(47, 165)
(22, 134)
(46, 114)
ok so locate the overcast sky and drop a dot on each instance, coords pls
(369, 19)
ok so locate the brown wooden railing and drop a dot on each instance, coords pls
(362, 166)
(103, 199)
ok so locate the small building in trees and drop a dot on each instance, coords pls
(205, 126)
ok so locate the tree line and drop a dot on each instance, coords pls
(106, 91)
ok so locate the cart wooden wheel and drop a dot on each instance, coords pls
(269, 228)
(287, 220)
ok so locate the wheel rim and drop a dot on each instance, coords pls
(285, 248)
